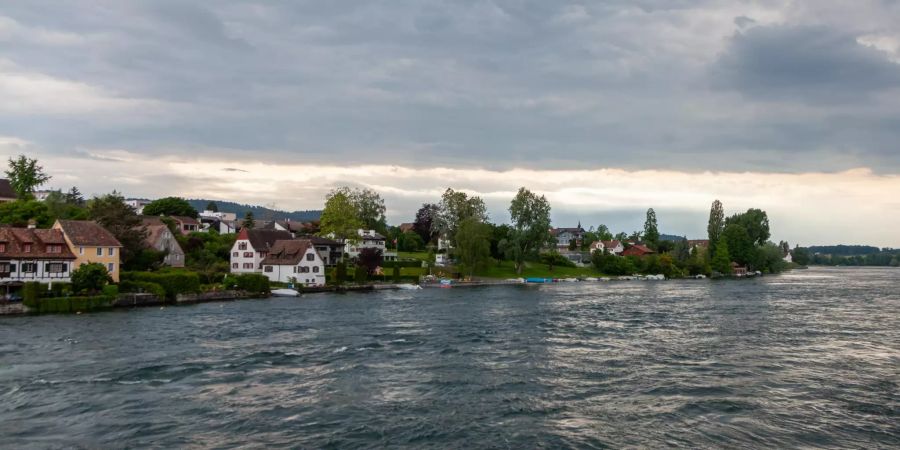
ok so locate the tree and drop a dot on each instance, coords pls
(603, 233)
(424, 223)
(212, 206)
(716, 224)
(455, 207)
(755, 222)
(90, 277)
(248, 222)
(409, 242)
(60, 207)
(621, 237)
(651, 230)
(721, 262)
(339, 217)
(170, 206)
(111, 212)
(473, 247)
(800, 256)
(340, 273)
(371, 259)
(370, 208)
(530, 228)
(25, 175)
(740, 245)
(20, 212)
(74, 197)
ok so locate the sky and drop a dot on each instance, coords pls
(606, 107)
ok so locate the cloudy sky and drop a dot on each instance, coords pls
(607, 107)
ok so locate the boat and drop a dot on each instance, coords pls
(538, 280)
(285, 293)
(591, 279)
(569, 280)
(409, 287)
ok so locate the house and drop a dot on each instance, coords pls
(295, 260)
(368, 239)
(137, 204)
(331, 251)
(29, 254)
(407, 227)
(738, 270)
(91, 243)
(186, 225)
(160, 238)
(222, 222)
(43, 194)
(7, 193)
(698, 243)
(637, 250)
(611, 247)
(252, 246)
(788, 257)
(216, 215)
(565, 236)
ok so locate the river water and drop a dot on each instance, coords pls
(810, 358)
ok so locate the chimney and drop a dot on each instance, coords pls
(32, 224)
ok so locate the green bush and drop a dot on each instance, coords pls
(396, 274)
(73, 304)
(90, 277)
(142, 286)
(173, 282)
(360, 275)
(392, 264)
(31, 291)
(250, 282)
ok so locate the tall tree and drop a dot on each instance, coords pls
(651, 230)
(756, 222)
(455, 207)
(473, 248)
(212, 206)
(370, 259)
(60, 208)
(339, 217)
(74, 197)
(740, 244)
(530, 228)
(603, 233)
(111, 212)
(716, 225)
(249, 222)
(20, 212)
(425, 218)
(170, 206)
(721, 262)
(25, 175)
(370, 209)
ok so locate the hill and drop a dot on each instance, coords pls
(259, 212)
(845, 250)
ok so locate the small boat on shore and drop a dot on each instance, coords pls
(285, 293)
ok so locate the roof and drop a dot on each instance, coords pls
(6, 190)
(318, 240)
(698, 242)
(87, 233)
(576, 230)
(288, 252)
(637, 250)
(186, 219)
(15, 238)
(264, 239)
(154, 233)
(404, 227)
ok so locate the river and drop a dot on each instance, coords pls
(806, 359)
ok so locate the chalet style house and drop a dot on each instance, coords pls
(252, 247)
(331, 251)
(295, 260)
(91, 243)
(609, 247)
(29, 254)
(564, 236)
(161, 239)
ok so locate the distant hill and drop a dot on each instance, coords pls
(670, 237)
(845, 250)
(259, 212)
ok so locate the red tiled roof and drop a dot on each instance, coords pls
(88, 233)
(288, 252)
(16, 238)
(637, 250)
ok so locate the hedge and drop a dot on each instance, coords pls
(174, 283)
(143, 286)
(72, 304)
(249, 282)
(414, 279)
(392, 264)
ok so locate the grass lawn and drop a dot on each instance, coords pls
(535, 270)
(421, 256)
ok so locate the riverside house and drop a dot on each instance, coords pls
(368, 239)
(637, 250)
(295, 260)
(91, 243)
(29, 254)
(252, 246)
(160, 238)
(610, 247)
(565, 236)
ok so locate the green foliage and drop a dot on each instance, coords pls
(208, 254)
(111, 212)
(716, 224)
(360, 275)
(801, 256)
(698, 263)
(25, 175)
(396, 274)
(410, 242)
(721, 262)
(610, 264)
(212, 206)
(145, 259)
(19, 212)
(31, 292)
(370, 259)
(253, 283)
(340, 216)
(426, 217)
(755, 222)
(90, 277)
(249, 222)
(455, 207)
(554, 259)
(740, 244)
(390, 264)
(340, 273)
(174, 282)
(66, 206)
(769, 258)
(143, 287)
(530, 228)
(651, 230)
(170, 206)
(473, 247)
(57, 305)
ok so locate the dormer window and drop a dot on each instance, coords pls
(242, 246)
(26, 248)
(2, 247)
(54, 248)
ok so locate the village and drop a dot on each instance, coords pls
(67, 246)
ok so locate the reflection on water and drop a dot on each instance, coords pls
(805, 359)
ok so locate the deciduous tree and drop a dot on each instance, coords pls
(473, 248)
(716, 224)
(651, 230)
(340, 217)
(170, 206)
(530, 228)
(25, 175)
(111, 212)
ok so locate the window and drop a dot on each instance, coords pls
(26, 248)
(242, 246)
(55, 268)
(2, 247)
(4, 268)
(80, 250)
(248, 254)
(304, 269)
(315, 269)
(111, 267)
(310, 257)
(111, 252)
(268, 269)
(234, 266)
(99, 251)
(236, 254)
(29, 267)
(248, 265)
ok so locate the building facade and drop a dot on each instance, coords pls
(29, 254)
(91, 243)
(295, 261)
(252, 246)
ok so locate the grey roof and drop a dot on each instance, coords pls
(6, 190)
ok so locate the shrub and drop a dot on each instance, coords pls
(31, 291)
(73, 304)
(555, 259)
(396, 274)
(360, 275)
(340, 273)
(143, 286)
(173, 282)
(391, 264)
(90, 277)
(253, 282)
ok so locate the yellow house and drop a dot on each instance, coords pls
(91, 243)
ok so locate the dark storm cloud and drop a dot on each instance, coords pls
(492, 83)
